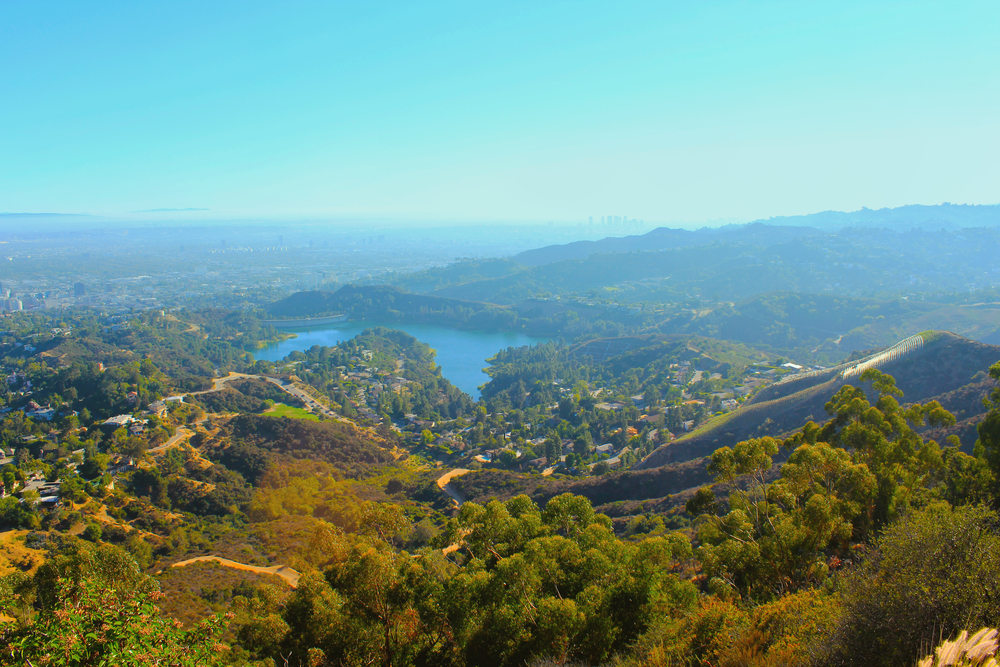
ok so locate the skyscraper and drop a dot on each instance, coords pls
(79, 289)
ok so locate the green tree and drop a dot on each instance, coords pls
(95, 607)
(988, 444)
(92, 533)
(882, 436)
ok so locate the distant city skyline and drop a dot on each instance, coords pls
(453, 113)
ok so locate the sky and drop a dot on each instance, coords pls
(535, 111)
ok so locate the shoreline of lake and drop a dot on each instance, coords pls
(461, 354)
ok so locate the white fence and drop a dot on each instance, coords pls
(903, 347)
(853, 368)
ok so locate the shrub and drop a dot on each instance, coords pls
(933, 573)
(92, 533)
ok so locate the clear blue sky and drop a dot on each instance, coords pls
(533, 111)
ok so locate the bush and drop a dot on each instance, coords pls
(92, 533)
(933, 573)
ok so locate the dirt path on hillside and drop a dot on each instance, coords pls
(443, 484)
(283, 571)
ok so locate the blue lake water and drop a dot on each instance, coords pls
(462, 355)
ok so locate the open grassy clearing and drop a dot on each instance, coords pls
(282, 410)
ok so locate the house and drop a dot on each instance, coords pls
(120, 465)
(47, 490)
(606, 448)
(158, 408)
(42, 413)
(132, 397)
(119, 420)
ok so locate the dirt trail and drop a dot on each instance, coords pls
(283, 571)
(443, 484)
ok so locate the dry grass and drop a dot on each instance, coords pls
(979, 650)
(15, 557)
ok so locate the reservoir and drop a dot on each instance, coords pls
(461, 354)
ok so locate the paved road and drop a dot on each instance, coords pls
(311, 403)
(182, 434)
(218, 384)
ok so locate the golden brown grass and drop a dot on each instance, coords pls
(15, 556)
(978, 650)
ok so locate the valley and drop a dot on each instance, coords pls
(451, 448)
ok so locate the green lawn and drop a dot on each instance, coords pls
(282, 410)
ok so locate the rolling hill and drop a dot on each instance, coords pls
(948, 368)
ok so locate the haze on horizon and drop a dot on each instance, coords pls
(535, 111)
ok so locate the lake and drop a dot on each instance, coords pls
(461, 354)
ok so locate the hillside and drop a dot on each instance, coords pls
(663, 238)
(387, 304)
(825, 328)
(732, 264)
(362, 302)
(941, 216)
(775, 230)
(949, 369)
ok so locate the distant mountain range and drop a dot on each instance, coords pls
(949, 217)
(664, 238)
(902, 218)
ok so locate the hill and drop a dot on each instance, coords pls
(770, 231)
(365, 302)
(869, 263)
(825, 328)
(389, 304)
(949, 369)
(903, 218)
(664, 238)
